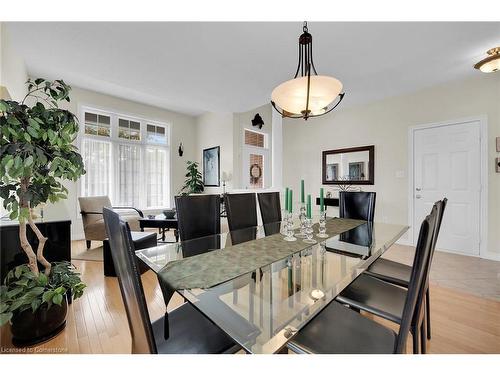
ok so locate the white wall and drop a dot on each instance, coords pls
(385, 124)
(13, 73)
(226, 130)
(243, 121)
(182, 130)
(215, 129)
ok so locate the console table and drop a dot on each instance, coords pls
(57, 247)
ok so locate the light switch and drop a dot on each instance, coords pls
(400, 174)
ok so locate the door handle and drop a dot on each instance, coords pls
(418, 196)
(418, 189)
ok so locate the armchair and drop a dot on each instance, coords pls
(93, 222)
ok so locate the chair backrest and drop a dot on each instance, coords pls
(441, 205)
(93, 204)
(197, 215)
(417, 283)
(357, 205)
(123, 253)
(270, 208)
(241, 210)
(200, 245)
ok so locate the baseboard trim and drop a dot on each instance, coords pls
(488, 255)
(491, 256)
(404, 242)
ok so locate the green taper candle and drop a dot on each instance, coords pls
(290, 201)
(302, 192)
(321, 200)
(309, 207)
(286, 199)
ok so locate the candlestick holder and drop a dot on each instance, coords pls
(302, 219)
(289, 228)
(284, 222)
(309, 232)
(322, 225)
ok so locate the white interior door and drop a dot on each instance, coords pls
(447, 164)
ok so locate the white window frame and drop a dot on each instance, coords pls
(116, 141)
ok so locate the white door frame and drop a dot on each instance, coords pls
(483, 201)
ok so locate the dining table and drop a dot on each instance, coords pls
(262, 309)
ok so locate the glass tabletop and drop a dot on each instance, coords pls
(263, 309)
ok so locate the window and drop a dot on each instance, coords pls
(129, 130)
(156, 134)
(129, 167)
(97, 161)
(156, 173)
(254, 138)
(256, 168)
(126, 159)
(97, 124)
(256, 160)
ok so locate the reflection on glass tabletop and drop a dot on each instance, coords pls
(263, 309)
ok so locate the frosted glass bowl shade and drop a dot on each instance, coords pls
(291, 96)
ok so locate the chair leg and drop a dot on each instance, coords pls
(355, 309)
(428, 312)
(88, 244)
(414, 335)
(423, 338)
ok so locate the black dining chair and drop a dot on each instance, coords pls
(399, 273)
(340, 330)
(189, 331)
(387, 300)
(270, 208)
(197, 215)
(241, 210)
(357, 205)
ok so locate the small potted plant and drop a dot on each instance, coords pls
(194, 181)
(36, 154)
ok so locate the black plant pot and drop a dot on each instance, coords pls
(30, 328)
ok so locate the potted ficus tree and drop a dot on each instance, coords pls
(36, 154)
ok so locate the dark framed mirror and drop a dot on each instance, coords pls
(354, 166)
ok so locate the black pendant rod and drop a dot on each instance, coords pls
(300, 62)
(306, 66)
(311, 58)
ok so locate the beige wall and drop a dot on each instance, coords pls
(385, 124)
(182, 130)
(13, 73)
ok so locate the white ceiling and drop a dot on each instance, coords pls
(195, 67)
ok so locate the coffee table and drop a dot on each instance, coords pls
(162, 223)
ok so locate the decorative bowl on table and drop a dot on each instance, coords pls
(169, 214)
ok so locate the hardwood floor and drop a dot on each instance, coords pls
(96, 323)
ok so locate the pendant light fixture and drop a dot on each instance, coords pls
(490, 63)
(310, 94)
